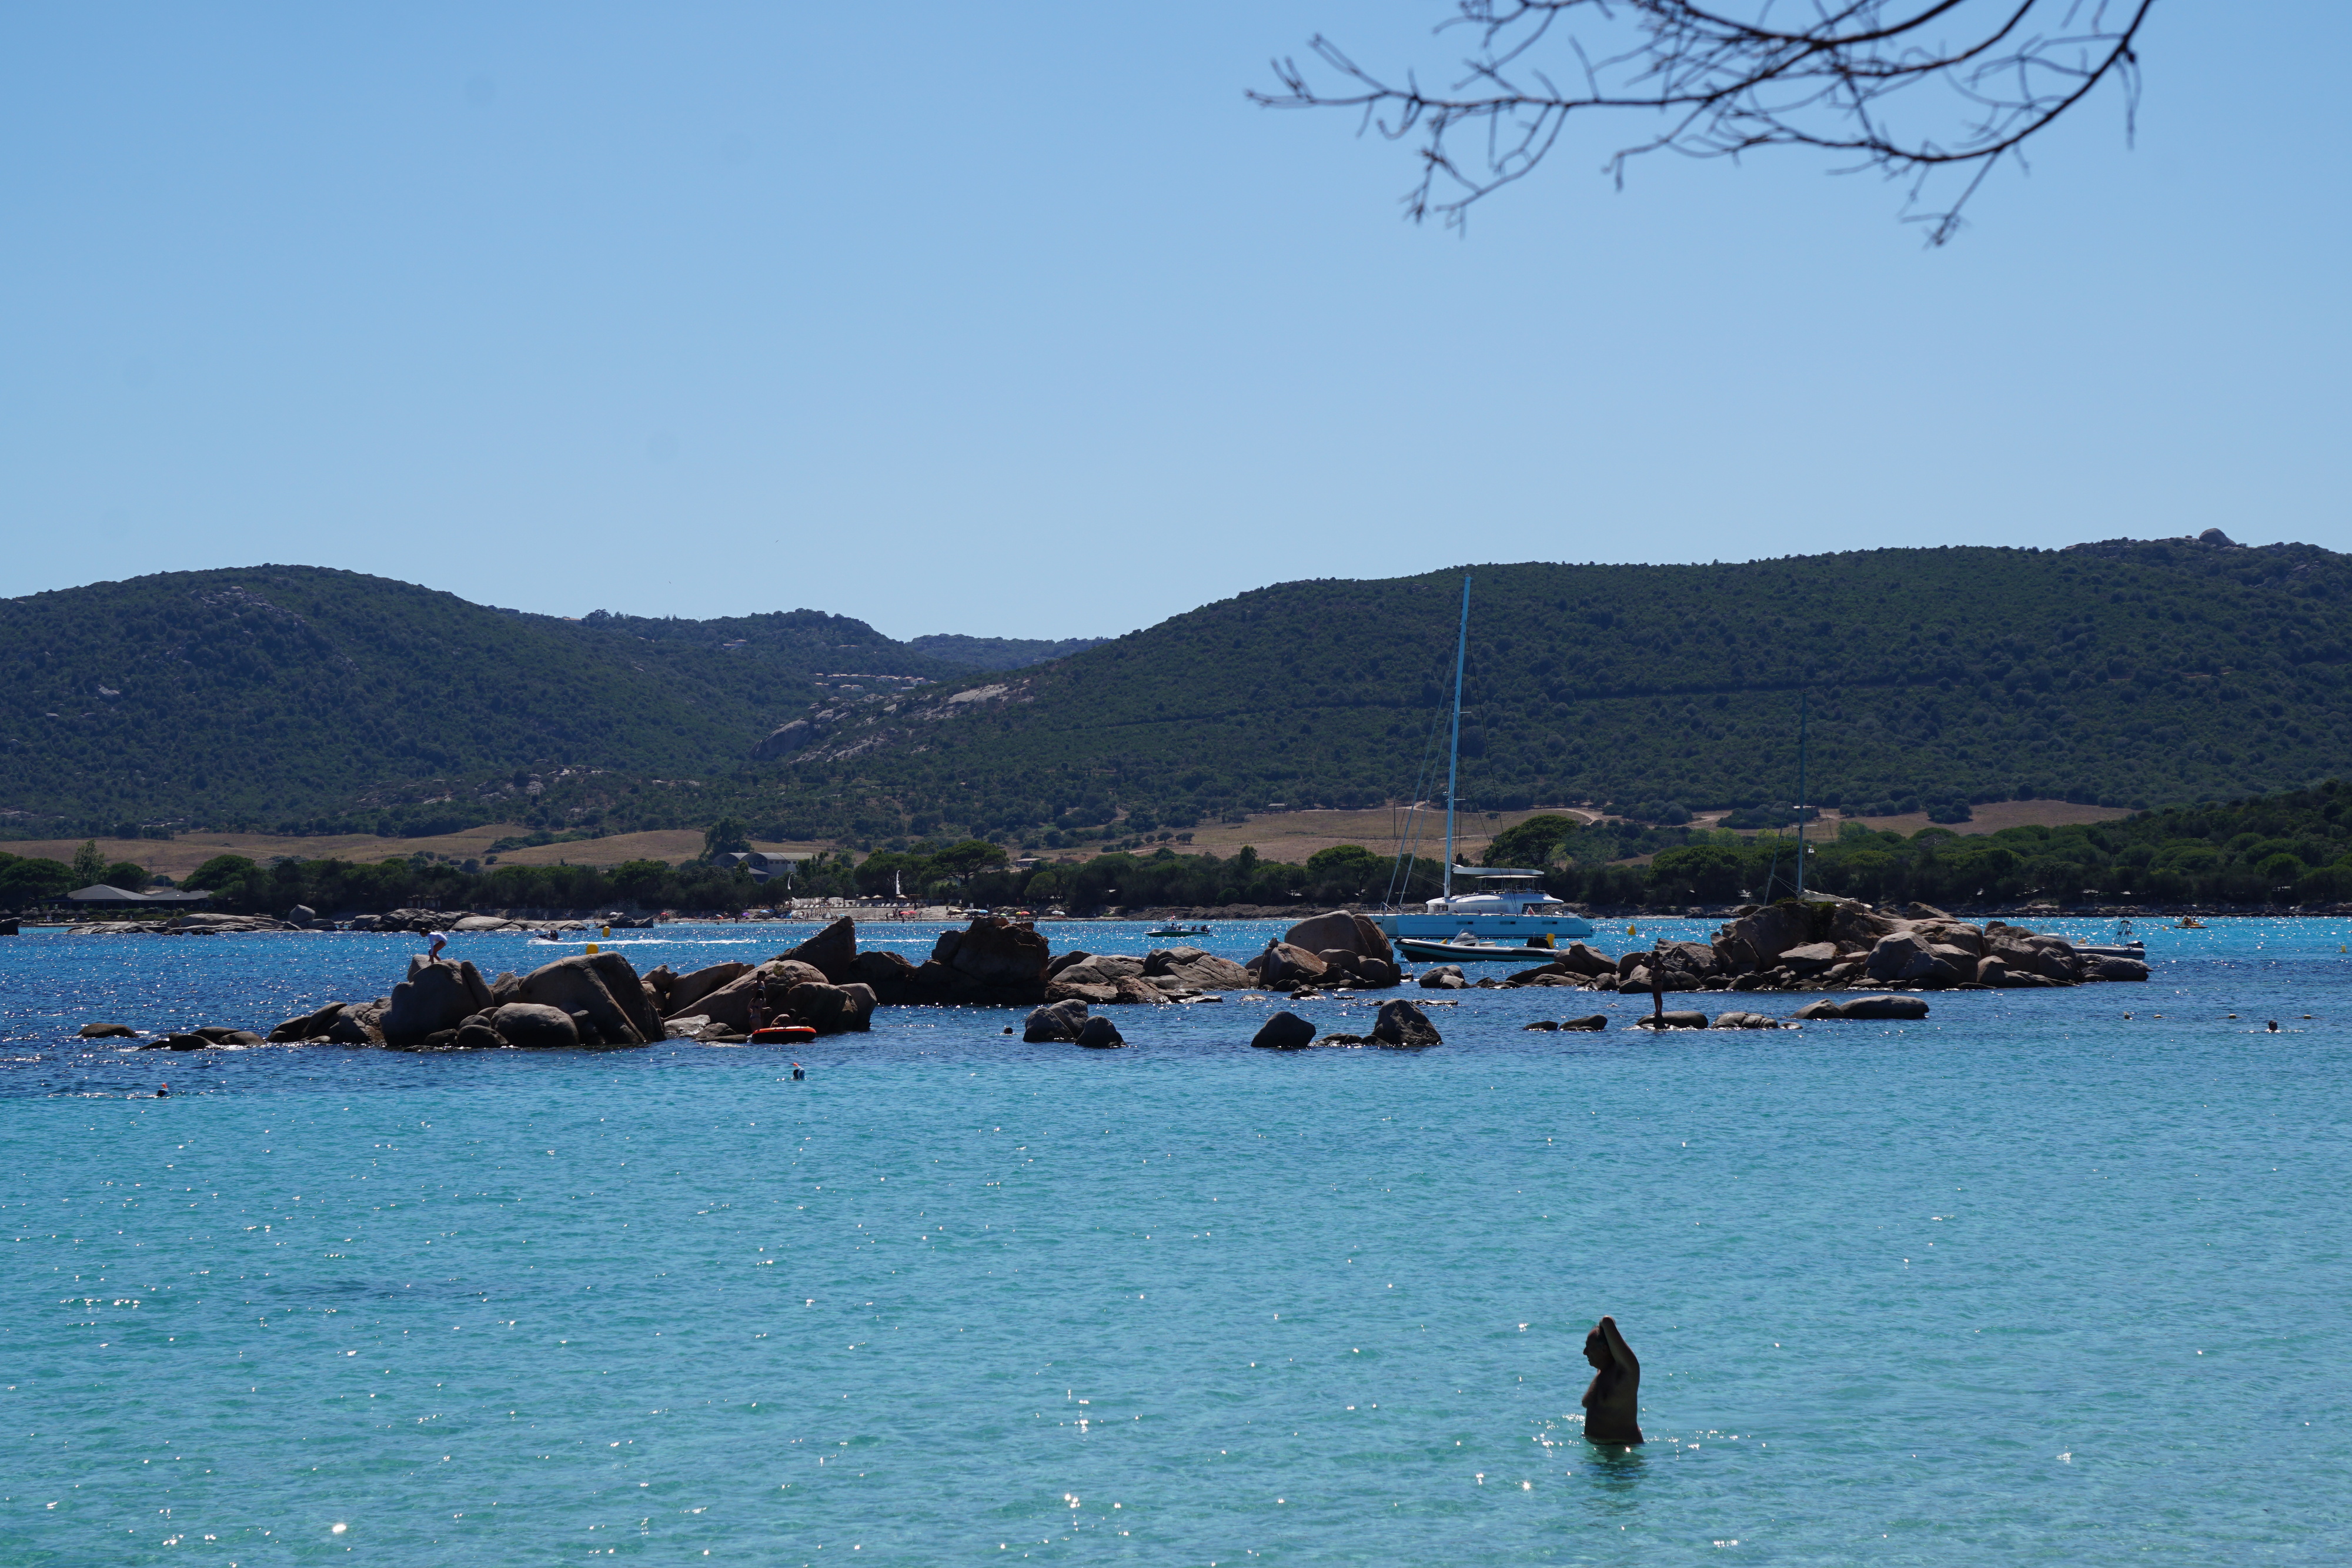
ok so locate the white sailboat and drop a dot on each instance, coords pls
(1508, 916)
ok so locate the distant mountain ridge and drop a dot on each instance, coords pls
(2122, 672)
(311, 699)
(999, 653)
(306, 700)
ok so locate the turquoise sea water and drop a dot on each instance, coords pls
(2031, 1281)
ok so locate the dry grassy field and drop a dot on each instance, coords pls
(1295, 835)
(1278, 835)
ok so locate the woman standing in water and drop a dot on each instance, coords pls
(1612, 1404)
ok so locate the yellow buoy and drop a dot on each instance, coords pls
(592, 947)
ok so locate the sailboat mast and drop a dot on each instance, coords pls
(1454, 752)
(1800, 795)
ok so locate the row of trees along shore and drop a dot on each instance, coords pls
(2292, 849)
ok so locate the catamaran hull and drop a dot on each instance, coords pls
(1472, 952)
(1504, 930)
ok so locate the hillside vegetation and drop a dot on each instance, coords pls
(2123, 672)
(302, 700)
(2291, 849)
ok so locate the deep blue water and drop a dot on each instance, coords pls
(2031, 1281)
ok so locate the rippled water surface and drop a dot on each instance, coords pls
(2031, 1281)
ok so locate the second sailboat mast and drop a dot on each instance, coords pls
(1453, 753)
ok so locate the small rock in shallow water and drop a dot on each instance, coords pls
(1055, 1023)
(1865, 1008)
(1284, 1031)
(1404, 1025)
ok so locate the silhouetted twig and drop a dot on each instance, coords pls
(1912, 90)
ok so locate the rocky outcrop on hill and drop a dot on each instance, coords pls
(1838, 945)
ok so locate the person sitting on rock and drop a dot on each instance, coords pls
(1612, 1404)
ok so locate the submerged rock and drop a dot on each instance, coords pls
(1865, 1008)
(1056, 1023)
(1283, 1031)
(1403, 1026)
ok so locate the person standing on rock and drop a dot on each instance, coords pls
(433, 942)
(1612, 1404)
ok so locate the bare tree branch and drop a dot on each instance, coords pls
(1915, 91)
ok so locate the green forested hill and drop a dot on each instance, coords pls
(999, 653)
(2126, 672)
(295, 697)
(302, 699)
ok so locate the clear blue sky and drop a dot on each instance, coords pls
(1018, 321)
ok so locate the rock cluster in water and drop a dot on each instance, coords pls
(1401, 1025)
(1827, 945)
